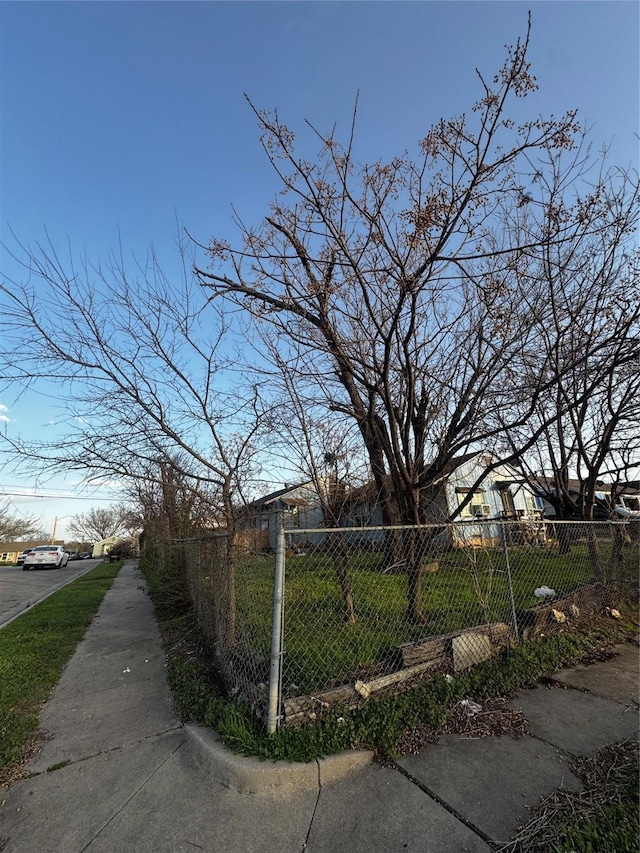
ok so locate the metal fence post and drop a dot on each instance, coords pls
(505, 548)
(275, 668)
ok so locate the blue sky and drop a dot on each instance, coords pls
(119, 118)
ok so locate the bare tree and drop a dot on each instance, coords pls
(15, 527)
(142, 367)
(100, 523)
(582, 298)
(168, 507)
(384, 283)
(172, 506)
(325, 452)
(150, 386)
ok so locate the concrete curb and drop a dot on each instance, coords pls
(250, 775)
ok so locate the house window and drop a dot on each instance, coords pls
(291, 517)
(532, 501)
(474, 508)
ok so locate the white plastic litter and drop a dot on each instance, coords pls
(543, 591)
(472, 708)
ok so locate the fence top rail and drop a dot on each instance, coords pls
(512, 522)
(204, 537)
(441, 525)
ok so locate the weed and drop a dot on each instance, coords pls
(58, 766)
(603, 816)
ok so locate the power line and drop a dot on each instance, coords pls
(58, 497)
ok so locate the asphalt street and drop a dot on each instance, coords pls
(21, 590)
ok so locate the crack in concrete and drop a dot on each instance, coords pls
(315, 808)
(135, 794)
(72, 763)
(452, 811)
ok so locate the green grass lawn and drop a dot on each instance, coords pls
(469, 588)
(33, 651)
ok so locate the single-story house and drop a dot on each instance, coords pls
(299, 504)
(102, 548)
(501, 495)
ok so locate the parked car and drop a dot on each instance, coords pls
(21, 557)
(627, 514)
(46, 557)
(73, 555)
(85, 555)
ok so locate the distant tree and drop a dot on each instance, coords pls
(100, 523)
(171, 505)
(81, 546)
(17, 528)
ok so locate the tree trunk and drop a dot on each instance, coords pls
(341, 564)
(401, 506)
(413, 541)
(619, 538)
(332, 510)
(564, 538)
(227, 591)
(593, 549)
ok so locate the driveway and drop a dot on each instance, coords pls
(20, 590)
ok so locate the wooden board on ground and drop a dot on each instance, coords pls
(499, 634)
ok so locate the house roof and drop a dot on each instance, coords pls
(632, 487)
(25, 544)
(516, 481)
(281, 495)
(457, 461)
(546, 485)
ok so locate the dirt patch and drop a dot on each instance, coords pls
(493, 718)
(607, 776)
(597, 655)
(18, 770)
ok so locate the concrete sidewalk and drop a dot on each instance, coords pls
(119, 773)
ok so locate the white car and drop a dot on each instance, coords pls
(46, 557)
(626, 513)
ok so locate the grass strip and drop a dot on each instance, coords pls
(33, 651)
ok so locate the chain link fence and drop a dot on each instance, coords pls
(329, 617)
